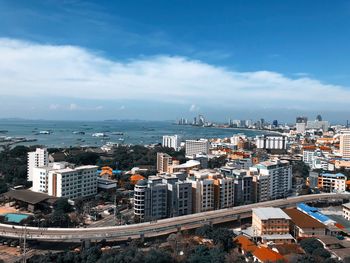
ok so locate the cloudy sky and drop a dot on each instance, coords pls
(168, 59)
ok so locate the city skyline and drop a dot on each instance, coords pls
(81, 60)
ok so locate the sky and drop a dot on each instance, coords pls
(162, 60)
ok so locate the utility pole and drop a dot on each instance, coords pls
(115, 205)
(24, 243)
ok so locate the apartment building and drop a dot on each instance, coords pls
(194, 147)
(332, 182)
(243, 185)
(140, 190)
(73, 183)
(346, 211)
(344, 146)
(41, 176)
(65, 180)
(202, 190)
(162, 196)
(179, 196)
(164, 161)
(171, 141)
(271, 224)
(38, 158)
(223, 193)
(271, 142)
(272, 179)
(308, 155)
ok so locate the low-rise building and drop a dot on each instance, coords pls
(65, 180)
(271, 224)
(346, 211)
(303, 226)
(332, 182)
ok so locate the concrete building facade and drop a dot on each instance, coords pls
(38, 158)
(194, 147)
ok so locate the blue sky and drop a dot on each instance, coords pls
(128, 59)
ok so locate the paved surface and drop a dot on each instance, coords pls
(156, 228)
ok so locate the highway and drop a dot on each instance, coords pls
(155, 228)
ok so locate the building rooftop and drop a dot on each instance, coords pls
(347, 205)
(28, 196)
(245, 243)
(272, 163)
(267, 255)
(188, 164)
(334, 175)
(265, 213)
(273, 237)
(302, 220)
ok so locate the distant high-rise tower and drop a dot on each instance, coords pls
(301, 124)
(319, 118)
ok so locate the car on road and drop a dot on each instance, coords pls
(14, 243)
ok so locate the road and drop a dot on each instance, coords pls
(156, 228)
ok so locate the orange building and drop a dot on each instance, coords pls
(107, 172)
(135, 178)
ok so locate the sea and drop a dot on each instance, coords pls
(63, 134)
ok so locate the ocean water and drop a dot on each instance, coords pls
(134, 132)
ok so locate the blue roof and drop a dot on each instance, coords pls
(307, 208)
(313, 212)
(334, 175)
(319, 216)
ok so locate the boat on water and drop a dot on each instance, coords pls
(99, 134)
(117, 133)
(79, 132)
(44, 132)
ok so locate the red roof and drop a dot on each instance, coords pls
(267, 255)
(246, 244)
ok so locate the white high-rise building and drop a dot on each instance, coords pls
(344, 146)
(39, 158)
(271, 142)
(60, 180)
(171, 141)
(300, 127)
(318, 125)
(197, 147)
(301, 124)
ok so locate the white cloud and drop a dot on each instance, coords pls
(193, 108)
(73, 106)
(54, 106)
(34, 70)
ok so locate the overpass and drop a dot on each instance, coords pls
(156, 228)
